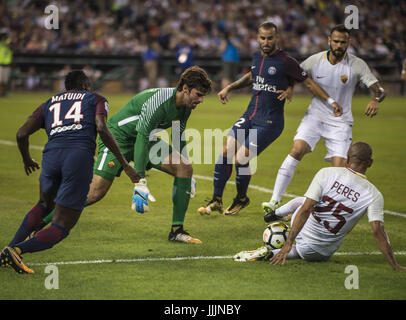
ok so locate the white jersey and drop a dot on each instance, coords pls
(339, 81)
(343, 197)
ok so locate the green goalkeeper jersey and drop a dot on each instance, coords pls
(147, 111)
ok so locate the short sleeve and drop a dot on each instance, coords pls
(364, 72)
(375, 209)
(315, 189)
(102, 106)
(294, 70)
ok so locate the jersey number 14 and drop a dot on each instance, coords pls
(73, 113)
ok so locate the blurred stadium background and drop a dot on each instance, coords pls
(129, 45)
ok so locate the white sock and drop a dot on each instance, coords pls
(285, 175)
(290, 207)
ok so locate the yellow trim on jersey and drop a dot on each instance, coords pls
(357, 173)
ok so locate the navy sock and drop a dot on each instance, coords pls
(242, 180)
(30, 221)
(44, 239)
(222, 172)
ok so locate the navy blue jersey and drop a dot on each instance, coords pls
(69, 119)
(269, 74)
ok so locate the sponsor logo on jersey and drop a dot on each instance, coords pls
(66, 128)
(111, 164)
(271, 70)
(344, 78)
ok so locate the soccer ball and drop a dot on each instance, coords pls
(275, 235)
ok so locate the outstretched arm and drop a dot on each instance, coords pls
(243, 82)
(382, 240)
(321, 94)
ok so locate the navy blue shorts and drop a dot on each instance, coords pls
(253, 135)
(67, 173)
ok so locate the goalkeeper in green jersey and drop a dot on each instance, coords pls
(133, 126)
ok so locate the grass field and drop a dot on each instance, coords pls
(116, 253)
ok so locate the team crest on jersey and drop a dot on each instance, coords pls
(344, 78)
(271, 70)
(111, 164)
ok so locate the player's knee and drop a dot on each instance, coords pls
(298, 152)
(185, 170)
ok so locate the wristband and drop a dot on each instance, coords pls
(330, 101)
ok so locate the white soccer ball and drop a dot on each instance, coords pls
(275, 235)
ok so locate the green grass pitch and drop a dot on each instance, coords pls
(110, 230)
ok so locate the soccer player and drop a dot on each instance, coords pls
(134, 126)
(71, 120)
(337, 72)
(335, 201)
(271, 73)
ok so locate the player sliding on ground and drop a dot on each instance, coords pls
(335, 201)
(337, 72)
(134, 126)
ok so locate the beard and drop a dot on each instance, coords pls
(338, 53)
(268, 49)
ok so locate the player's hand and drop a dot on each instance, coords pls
(193, 188)
(372, 108)
(141, 196)
(132, 174)
(285, 94)
(281, 255)
(30, 165)
(338, 110)
(223, 95)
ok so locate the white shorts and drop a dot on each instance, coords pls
(337, 137)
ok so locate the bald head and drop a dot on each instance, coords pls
(359, 156)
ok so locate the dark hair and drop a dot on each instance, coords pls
(77, 80)
(195, 78)
(268, 25)
(340, 28)
(360, 152)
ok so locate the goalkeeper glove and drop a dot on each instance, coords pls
(141, 196)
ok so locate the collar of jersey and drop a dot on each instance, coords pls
(358, 174)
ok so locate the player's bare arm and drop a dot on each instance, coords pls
(373, 105)
(298, 223)
(243, 82)
(382, 240)
(321, 94)
(28, 128)
(110, 142)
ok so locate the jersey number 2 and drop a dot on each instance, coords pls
(73, 113)
(339, 207)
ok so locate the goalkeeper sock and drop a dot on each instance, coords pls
(30, 221)
(180, 199)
